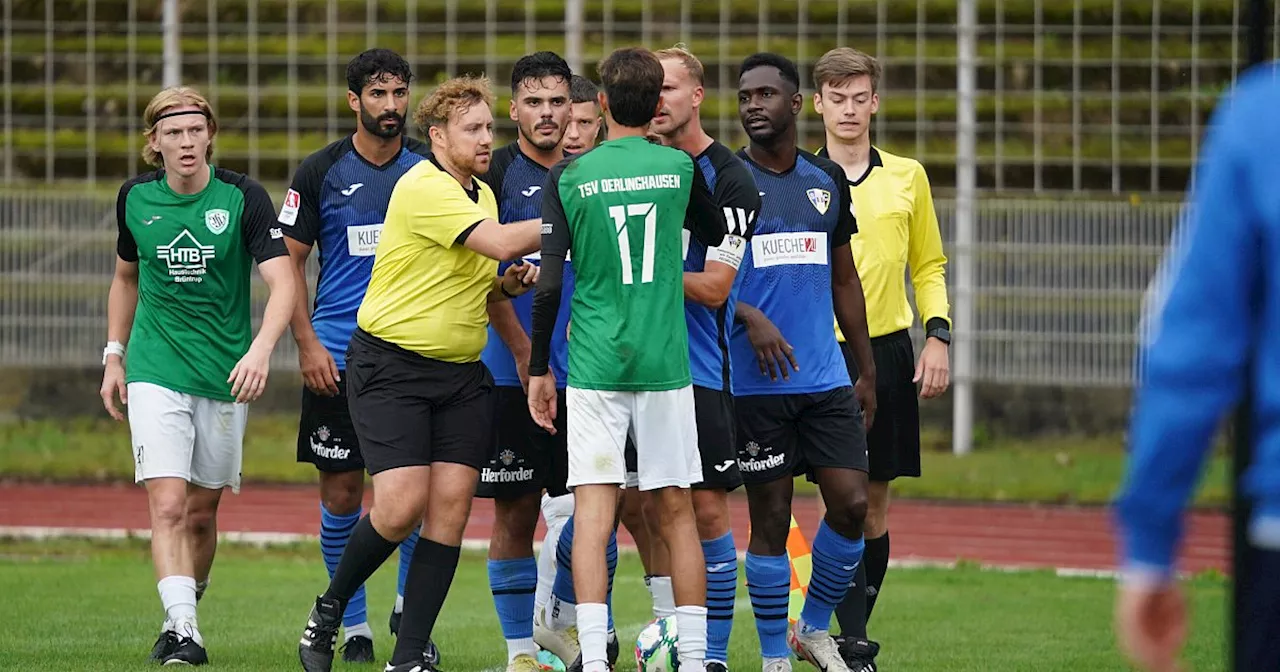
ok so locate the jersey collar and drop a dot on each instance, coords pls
(875, 161)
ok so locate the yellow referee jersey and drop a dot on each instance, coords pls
(428, 293)
(897, 231)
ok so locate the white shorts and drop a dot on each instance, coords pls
(179, 435)
(662, 425)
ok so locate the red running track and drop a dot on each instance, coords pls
(999, 535)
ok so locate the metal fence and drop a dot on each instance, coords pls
(1056, 298)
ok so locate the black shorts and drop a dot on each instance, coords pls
(409, 410)
(527, 457)
(717, 442)
(787, 435)
(893, 443)
(325, 435)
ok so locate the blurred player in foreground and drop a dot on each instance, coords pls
(897, 234)
(337, 203)
(622, 208)
(188, 236)
(421, 400)
(525, 459)
(1206, 339)
(798, 271)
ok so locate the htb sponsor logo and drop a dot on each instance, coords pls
(779, 249)
(185, 257)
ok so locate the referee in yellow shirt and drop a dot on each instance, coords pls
(897, 232)
(420, 398)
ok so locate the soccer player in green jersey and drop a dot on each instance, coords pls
(188, 235)
(620, 208)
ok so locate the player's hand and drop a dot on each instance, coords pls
(249, 377)
(773, 353)
(933, 370)
(542, 401)
(319, 371)
(113, 384)
(519, 277)
(865, 391)
(1151, 625)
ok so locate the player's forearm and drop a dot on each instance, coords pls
(546, 308)
(281, 305)
(928, 278)
(300, 322)
(122, 305)
(702, 288)
(523, 237)
(851, 314)
(746, 314)
(502, 315)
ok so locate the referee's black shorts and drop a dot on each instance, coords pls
(409, 410)
(893, 443)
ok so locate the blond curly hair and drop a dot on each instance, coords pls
(451, 98)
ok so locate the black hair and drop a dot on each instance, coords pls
(784, 65)
(632, 80)
(539, 65)
(376, 64)
(583, 90)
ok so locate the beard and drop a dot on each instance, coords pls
(374, 124)
(545, 144)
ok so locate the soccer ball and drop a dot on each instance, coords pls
(656, 647)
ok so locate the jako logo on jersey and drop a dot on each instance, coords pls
(778, 249)
(531, 190)
(148, 222)
(289, 211)
(820, 198)
(352, 189)
(185, 257)
(217, 220)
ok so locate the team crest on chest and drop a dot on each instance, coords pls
(218, 219)
(821, 200)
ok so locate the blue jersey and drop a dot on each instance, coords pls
(735, 194)
(1207, 336)
(517, 182)
(337, 202)
(805, 214)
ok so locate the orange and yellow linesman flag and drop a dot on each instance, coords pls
(801, 569)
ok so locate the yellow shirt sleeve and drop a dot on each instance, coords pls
(924, 254)
(442, 210)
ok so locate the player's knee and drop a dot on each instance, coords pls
(342, 493)
(202, 520)
(517, 517)
(169, 513)
(770, 524)
(711, 509)
(847, 514)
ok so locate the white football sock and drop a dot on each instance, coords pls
(547, 566)
(664, 599)
(360, 630)
(178, 595)
(516, 647)
(691, 633)
(561, 615)
(593, 636)
(399, 608)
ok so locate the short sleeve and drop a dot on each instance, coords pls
(126, 246)
(262, 237)
(300, 211)
(846, 223)
(439, 209)
(738, 198)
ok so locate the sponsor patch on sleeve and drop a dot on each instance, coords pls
(729, 252)
(289, 210)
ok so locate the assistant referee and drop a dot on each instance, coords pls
(420, 398)
(897, 231)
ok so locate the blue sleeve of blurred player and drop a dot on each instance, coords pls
(1197, 335)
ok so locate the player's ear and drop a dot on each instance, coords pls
(817, 102)
(512, 107)
(698, 95)
(797, 103)
(353, 101)
(875, 103)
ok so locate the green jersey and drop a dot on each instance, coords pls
(621, 208)
(194, 253)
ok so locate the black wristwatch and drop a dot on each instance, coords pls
(939, 329)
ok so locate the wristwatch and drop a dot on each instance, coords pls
(113, 348)
(941, 333)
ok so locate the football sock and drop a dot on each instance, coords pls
(434, 565)
(852, 610)
(366, 551)
(547, 565)
(835, 559)
(691, 633)
(512, 583)
(406, 559)
(563, 587)
(201, 587)
(593, 636)
(769, 585)
(664, 599)
(877, 561)
(361, 630)
(722, 585)
(611, 558)
(178, 596)
(334, 532)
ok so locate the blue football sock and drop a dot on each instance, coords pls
(406, 557)
(334, 532)
(563, 587)
(769, 585)
(611, 557)
(835, 559)
(513, 583)
(722, 586)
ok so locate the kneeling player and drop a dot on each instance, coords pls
(797, 271)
